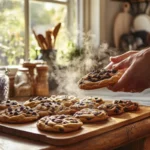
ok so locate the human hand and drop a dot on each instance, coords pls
(119, 58)
(137, 75)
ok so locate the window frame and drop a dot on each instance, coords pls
(85, 22)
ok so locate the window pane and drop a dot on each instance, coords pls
(11, 31)
(45, 16)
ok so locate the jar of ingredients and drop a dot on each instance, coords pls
(22, 83)
(42, 87)
(4, 85)
(11, 74)
(31, 66)
(11, 86)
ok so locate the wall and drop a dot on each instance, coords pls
(108, 11)
(102, 16)
(97, 16)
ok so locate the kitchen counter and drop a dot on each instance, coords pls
(134, 136)
(131, 137)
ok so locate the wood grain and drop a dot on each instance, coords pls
(55, 32)
(113, 139)
(29, 130)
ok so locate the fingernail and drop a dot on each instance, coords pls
(113, 66)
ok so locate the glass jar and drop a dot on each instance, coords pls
(4, 85)
(11, 74)
(42, 87)
(22, 83)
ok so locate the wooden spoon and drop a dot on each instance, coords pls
(55, 32)
(49, 39)
(43, 41)
(37, 38)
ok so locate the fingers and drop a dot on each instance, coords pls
(118, 61)
(130, 82)
(119, 58)
(121, 65)
(109, 66)
(123, 82)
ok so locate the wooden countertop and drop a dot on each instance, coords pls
(106, 141)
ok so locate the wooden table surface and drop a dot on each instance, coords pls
(107, 141)
(128, 137)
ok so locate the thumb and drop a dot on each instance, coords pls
(124, 80)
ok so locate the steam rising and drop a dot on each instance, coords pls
(91, 59)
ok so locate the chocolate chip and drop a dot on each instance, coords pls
(118, 107)
(34, 113)
(14, 103)
(16, 109)
(53, 119)
(9, 109)
(110, 106)
(16, 113)
(58, 120)
(98, 100)
(11, 112)
(97, 113)
(126, 109)
(116, 110)
(88, 118)
(81, 82)
(81, 104)
(46, 122)
(74, 121)
(61, 117)
(114, 71)
(21, 108)
(47, 105)
(120, 101)
(30, 100)
(61, 129)
(43, 104)
(94, 79)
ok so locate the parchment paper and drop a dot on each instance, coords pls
(143, 98)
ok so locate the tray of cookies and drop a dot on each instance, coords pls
(67, 119)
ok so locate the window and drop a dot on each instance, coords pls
(19, 17)
(11, 31)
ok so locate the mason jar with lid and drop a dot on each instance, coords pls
(22, 83)
(4, 84)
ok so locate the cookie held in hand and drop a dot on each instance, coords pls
(100, 78)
